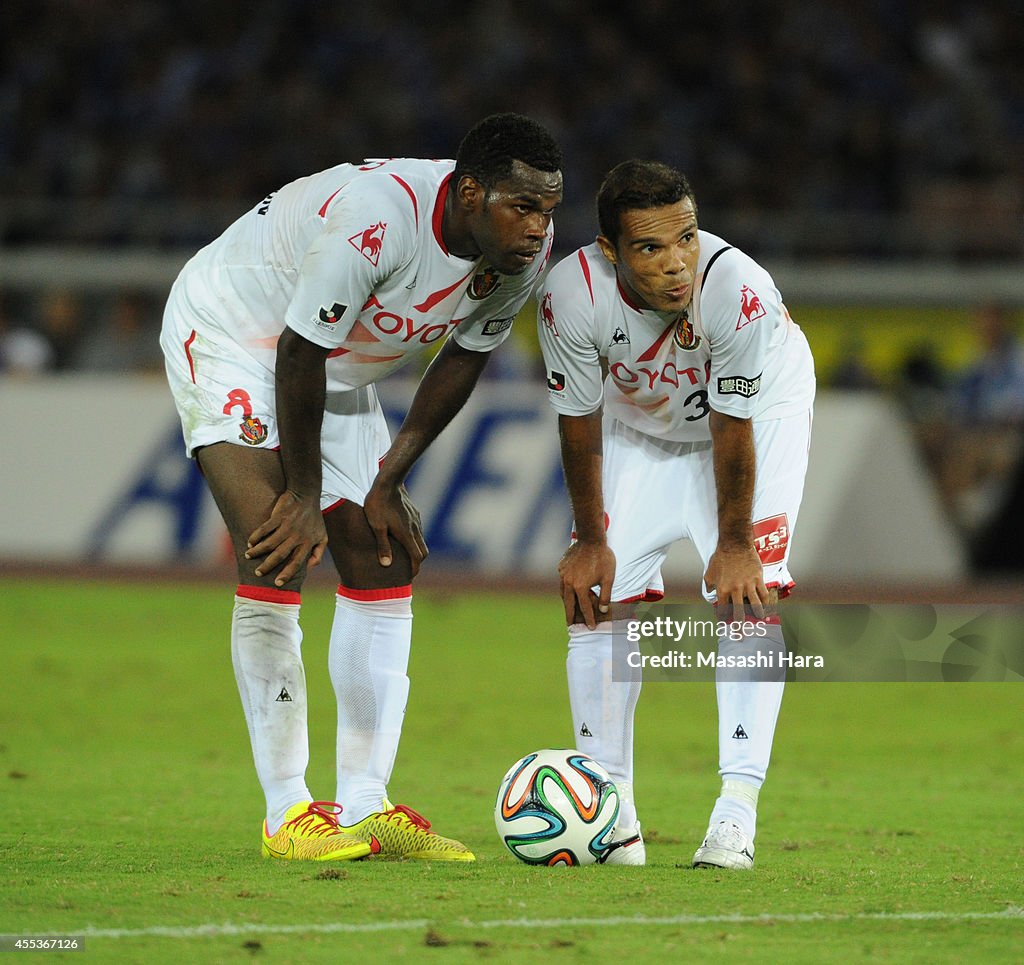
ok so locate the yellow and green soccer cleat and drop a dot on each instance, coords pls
(311, 833)
(399, 832)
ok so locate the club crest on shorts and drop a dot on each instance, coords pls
(684, 336)
(484, 282)
(254, 432)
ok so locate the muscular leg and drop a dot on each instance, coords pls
(245, 484)
(369, 658)
(265, 635)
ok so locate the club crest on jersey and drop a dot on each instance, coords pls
(484, 283)
(328, 317)
(254, 432)
(684, 336)
(547, 313)
(751, 308)
(369, 242)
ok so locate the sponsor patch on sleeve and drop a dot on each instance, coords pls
(329, 317)
(739, 385)
(498, 325)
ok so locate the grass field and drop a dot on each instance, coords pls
(890, 828)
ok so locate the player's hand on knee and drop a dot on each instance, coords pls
(294, 537)
(390, 511)
(584, 566)
(736, 575)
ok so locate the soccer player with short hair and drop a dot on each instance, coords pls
(684, 393)
(274, 335)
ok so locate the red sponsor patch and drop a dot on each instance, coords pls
(369, 242)
(751, 308)
(771, 538)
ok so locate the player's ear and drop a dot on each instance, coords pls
(607, 248)
(470, 193)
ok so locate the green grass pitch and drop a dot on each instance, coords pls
(890, 827)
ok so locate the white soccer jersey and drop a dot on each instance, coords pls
(735, 349)
(351, 258)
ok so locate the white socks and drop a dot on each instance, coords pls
(369, 659)
(603, 707)
(266, 652)
(748, 710)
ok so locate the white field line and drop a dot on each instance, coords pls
(227, 929)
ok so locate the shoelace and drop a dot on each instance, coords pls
(320, 818)
(400, 810)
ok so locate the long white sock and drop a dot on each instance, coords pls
(266, 644)
(603, 705)
(369, 660)
(748, 710)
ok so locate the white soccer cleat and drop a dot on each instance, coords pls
(726, 845)
(627, 847)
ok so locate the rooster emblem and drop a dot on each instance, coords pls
(369, 242)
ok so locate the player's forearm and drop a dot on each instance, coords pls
(441, 394)
(580, 438)
(301, 388)
(732, 443)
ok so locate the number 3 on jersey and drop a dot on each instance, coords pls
(698, 401)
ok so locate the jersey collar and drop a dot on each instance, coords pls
(438, 215)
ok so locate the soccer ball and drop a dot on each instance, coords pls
(557, 807)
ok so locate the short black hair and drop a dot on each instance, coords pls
(488, 151)
(636, 185)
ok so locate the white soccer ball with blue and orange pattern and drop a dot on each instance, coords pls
(557, 807)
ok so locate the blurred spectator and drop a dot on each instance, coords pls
(991, 390)
(979, 444)
(922, 383)
(125, 341)
(23, 350)
(852, 373)
(62, 321)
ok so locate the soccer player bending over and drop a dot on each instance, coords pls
(274, 336)
(684, 394)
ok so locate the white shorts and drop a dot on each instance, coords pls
(223, 394)
(657, 492)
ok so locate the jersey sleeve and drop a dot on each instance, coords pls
(567, 331)
(740, 310)
(369, 233)
(494, 324)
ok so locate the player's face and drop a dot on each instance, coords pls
(510, 225)
(656, 256)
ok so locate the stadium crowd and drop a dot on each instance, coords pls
(146, 122)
